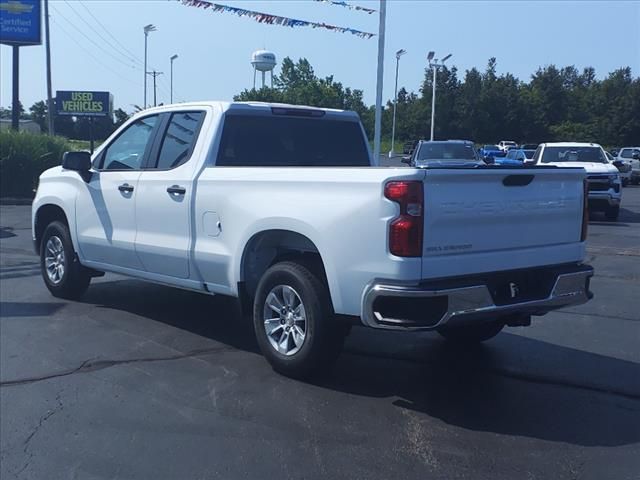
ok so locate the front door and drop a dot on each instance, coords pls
(105, 210)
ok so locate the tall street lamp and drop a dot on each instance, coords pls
(147, 29)
(172, 58)
(433, 63)
(399, 53)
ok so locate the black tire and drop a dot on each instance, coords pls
(470, 334)
(323, 335)
(612, 213)
(74, 280)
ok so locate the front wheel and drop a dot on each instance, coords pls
(62, 273)
(294, 323)
(469, 334)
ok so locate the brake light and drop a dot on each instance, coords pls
(585, 210)
(405, 231)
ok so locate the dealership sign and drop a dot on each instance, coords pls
(83, 103)
(20, 22)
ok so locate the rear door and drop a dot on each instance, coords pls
(165, 191)
(498, 214)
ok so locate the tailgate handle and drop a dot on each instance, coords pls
(517, 180)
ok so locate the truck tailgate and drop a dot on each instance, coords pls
(498, 219)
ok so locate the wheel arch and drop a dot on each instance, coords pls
(46, 214)
(268, 247)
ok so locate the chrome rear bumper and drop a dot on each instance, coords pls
(470, 303)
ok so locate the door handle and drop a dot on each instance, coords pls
(126, 188)
(176, 190)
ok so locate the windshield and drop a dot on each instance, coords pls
(573, 154)
(529, 153)
(446, 151)
(491, 147)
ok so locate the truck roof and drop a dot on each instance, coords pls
(259, 106)
(570, 144)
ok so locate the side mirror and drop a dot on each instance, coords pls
(77, 161)
(406, 159)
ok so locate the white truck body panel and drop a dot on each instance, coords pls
(200, 240)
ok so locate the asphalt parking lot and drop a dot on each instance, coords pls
(139, 381)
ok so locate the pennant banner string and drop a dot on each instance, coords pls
(349, 6)
(272, 19)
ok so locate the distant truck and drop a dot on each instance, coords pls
(603, 179)
(506, 145)
(283, 208)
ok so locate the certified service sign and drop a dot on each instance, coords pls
(20, 22)
(82, 103)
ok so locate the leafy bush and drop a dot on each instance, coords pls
(23, 157)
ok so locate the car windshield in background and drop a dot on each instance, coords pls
(573, 154)
(446, 151)
(270, 141)
(491, 147)
(529, 153)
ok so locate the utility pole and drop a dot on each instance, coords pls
(378, 118)
(172, 58)
(146, 29)
(15, 108)
(435, 65)
(154, 74)
(399, 53)
(48, 53)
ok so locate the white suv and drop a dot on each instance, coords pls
(631, 156)
(605, 186)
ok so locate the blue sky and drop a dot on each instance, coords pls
(215, 48)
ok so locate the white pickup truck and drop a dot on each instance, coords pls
(284, 208)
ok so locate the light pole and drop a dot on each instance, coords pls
(147, 29)
(399, 53)
(433, 63)
(172, 58)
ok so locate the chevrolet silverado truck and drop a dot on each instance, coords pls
(284, 208)
(603, 178)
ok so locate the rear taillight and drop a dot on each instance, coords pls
(585, 210)
(405, 231)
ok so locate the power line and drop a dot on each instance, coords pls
(90, 39)
(132, 55)
(90, 54)
(94, 31)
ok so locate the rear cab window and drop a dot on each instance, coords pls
(264, 139)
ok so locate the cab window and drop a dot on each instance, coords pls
(179, 139)
(127, 151)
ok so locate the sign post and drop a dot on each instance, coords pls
(20, 22)
(84, 104)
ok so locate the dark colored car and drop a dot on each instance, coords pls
(487, 152)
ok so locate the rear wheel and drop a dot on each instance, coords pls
(62, 273)
(294, 323)
(469, 334)
(612, 213)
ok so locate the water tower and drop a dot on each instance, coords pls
(263, 61)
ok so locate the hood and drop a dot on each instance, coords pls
(590, 167)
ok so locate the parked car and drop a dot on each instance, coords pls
(487, 152)
(515, 157)
(623, 166)
(631, 155)
(604, 183)
(505, 145)
(223, 198)
(445, 153)
(409, 147)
